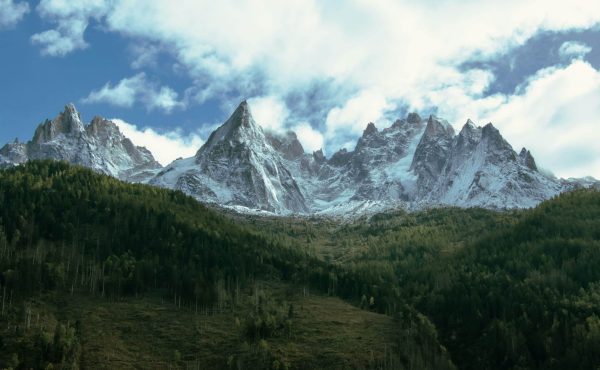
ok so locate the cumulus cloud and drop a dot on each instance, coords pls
(573, 49)
(311, 139)
(270, 112)
(373, 55)
(11, 13)
(137, 88)
(351, 118)
(555, 114)
(144, 55)
(72, 19)
(167, 146)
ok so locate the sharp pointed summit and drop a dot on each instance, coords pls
(68, 122)
(238, 166)
(240, 127)
(412, 164)
(99, 145)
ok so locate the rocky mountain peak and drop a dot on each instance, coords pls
(240, 128)
(318, 156)
(437, 127)
(413, 118)
(341, 157)
(370, 129)
(99, 145)
(527, 159)
(492, 136)
(287, 144)
(398, 123)
(469, 134)
(241, 165)
(68, 122)
(102, 128)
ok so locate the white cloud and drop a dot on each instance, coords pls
(145, 55)
(556, 115)
(373, 53)
(72, 18)
(353, 116)
(164, 99)
(11, 13)
(573, 49)
(122, 94)
(311, 139)
(269, 111)
(166, 147)
(137, 88)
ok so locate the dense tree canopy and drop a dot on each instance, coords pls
(498, 290)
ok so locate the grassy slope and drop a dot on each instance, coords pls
(146, 332)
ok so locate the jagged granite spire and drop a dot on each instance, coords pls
(527, 159)
(413, 163)
(238, 128)
(238, 166)
(99, 145)
(68, 122)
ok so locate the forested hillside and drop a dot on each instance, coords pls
(88, 264)
(70, 235)
(504, 290)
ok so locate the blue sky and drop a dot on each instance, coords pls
(171, 73)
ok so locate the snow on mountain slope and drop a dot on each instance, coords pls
(413, 164)
(237, 166)
(483, 170)
(99, 145)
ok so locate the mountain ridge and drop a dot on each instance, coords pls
(413, 164)
(99, 145)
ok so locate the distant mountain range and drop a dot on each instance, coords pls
(413, 164)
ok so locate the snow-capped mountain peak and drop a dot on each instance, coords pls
(237, 166)
(413, 163)
(67, 123)
(99, 145)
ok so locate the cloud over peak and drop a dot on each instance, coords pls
(368, 57)
(133, 89)
(165, 146)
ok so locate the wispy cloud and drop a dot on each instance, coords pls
(165, 146)
(311, 139)
(371, 56)
(573, 49)
(555, 115)
(269, 111)
(136, 88)
(12, 12)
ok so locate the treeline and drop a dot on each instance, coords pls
(499, 290)
(515, 290)
(69, 228)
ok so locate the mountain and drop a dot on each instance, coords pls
(237, 166)
(480, 169)
(100, 145)
(414, 164)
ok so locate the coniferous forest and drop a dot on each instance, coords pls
(97, 273)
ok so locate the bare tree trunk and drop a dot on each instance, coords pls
(3, 297)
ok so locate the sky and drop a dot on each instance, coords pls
(169, 72)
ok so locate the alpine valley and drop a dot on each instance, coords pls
(107, 263)
(414, 164)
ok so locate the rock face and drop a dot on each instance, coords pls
(99, 145)
(239, 166)
(413, 164)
